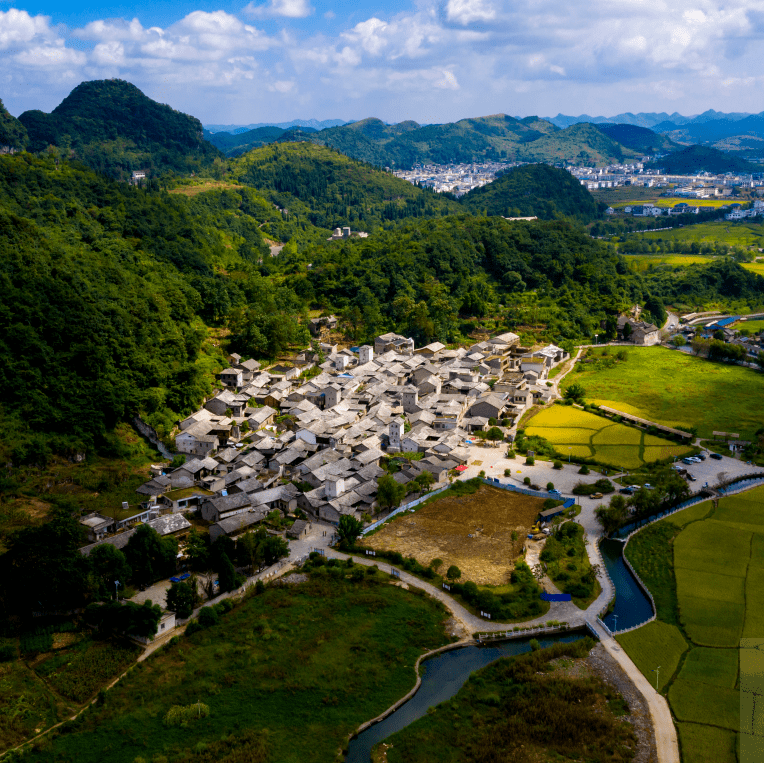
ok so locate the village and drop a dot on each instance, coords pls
(309, 438)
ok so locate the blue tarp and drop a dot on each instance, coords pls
(570, 502)
(555, 596)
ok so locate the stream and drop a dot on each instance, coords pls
(442, 677)
(632, 606)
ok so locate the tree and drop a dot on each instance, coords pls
(679, 341)
(349, 529)
(453, 572)
(109, 565)
(389, 492)
(575, 392)
(150, 556)
(274, 548)
(181, 599)
(229, 579)
(613, 516)
(495, 434)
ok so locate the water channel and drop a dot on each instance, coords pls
(442, 677)
(632, 606)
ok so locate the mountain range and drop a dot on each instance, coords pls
(314, 124)
(647, 119)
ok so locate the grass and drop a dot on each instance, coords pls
(187, 492)
(320, 657)
(675, 389)
(587, 435)
(193, 188)
(26, 704)
(531, 707)
(643, 262)
(714, 667)
(706, 744)
(652, 645)
(754, 326)
(705, 568)
(754, 267)
(710, 707)
(726, 232)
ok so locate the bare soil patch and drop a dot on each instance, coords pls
(442, 530)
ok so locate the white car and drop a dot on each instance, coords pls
(694, 459)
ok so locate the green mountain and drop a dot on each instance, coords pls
(493, 138)
(328, 189)
(695, 159)
(534, 190)
(580, 143)
(114, 128)
(638, 138)
(12, 133)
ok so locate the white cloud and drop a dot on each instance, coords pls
(291, 9)
(18, 28)
(467, 11)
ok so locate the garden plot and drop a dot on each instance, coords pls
(442, 530)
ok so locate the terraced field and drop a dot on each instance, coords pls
(586, 435)
(713, 559)
(678, 390)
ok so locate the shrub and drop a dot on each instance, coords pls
(558, 464)
(182, 715)
(526, 480)
(259, 587)
(482, 472)
(584, 469)
(208, 617)
(511, 453)
(507, 472)
(550, 485)
(7, 653)
(453, 572)
(530, 461)
(535, 646)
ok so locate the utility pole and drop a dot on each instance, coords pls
(657, 673)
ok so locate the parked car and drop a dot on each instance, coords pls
(716, 456)
(687, 460)
(596, 495)
(648, 486)
(626, 491)
(691, 477)
(701, 456)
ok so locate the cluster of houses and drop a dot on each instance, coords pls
(283, 439)
(738, 213)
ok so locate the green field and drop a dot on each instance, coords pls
(705, 568)
(678, 390)
(754, 326)
(755, 267)
(642, 262)
(287, 676)
(586, 435)
(726, 232)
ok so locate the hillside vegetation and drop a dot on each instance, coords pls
(320, 185)
(114, 128)
(12, 133)
(493, 138)
(695, 159)
(638, 138)
(534, 190)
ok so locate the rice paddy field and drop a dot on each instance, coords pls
(586, 435)
(717, 559)
(755, 326)
(642, 262)
(755, 267)
(677, 389)
(727, 232)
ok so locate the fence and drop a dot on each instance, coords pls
(626, 532)
(741, 483)
(405, 507)
(494, 482)
(534, 630)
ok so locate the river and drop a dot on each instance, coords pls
(442, 677)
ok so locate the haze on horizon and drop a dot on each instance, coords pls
(426, 60)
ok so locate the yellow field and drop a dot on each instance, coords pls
(754, 267)
(586, 435)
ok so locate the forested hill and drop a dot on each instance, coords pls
(534, 190)
(106, 290)
(703, 159)
(13, 134)
(113, 127)
(638, 138)
(492, 138)
(327, 188)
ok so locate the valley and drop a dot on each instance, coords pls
(395, 419)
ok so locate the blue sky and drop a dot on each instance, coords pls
(427, 60)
